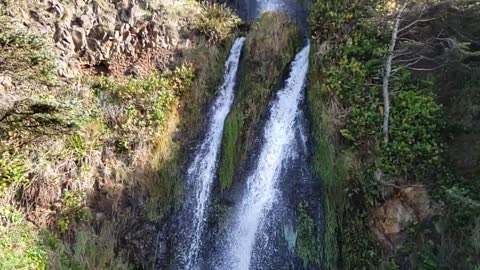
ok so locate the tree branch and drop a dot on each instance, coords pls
(388, 71)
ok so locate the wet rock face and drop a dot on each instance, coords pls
(410, 205)
(89, 33)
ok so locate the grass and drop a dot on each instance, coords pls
(216, 22)
(324, 162)
(24, 54)
(307, 244)
(107, 138)
(269, 47)
(20, 246)
(209, 66)
(339, 170)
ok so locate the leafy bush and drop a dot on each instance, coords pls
(25, 54)
(415, 148)
(141, 105)
(12, 171)
(72, 209)
(217, 22)
(20, 247)
(336, 20)
(307, 245)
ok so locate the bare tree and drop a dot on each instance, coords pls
(388, 71)
(410, 52)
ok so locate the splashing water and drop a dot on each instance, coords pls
(201, 172)
(262, 186)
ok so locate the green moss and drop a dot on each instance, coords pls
(162, 182)
(307, 245)
(270, 45)
(230, 149)
(324, 161)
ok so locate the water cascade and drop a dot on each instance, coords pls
(262, 184)
(202, 170)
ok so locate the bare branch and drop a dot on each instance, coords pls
(388, 71)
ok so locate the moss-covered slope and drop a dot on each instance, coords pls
(270, 45)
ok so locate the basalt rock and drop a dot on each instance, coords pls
(87, 34)
(410, 205)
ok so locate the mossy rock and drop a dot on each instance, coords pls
(270, 46)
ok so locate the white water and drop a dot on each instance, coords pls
(261, 192)
(202, 170)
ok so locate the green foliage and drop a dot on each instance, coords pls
(12, 171)
(142, 104)
(346, 108)
(30, 118)
(336, 20)
(72, 209)
(20, 246)
(269, 47)
(26, 55)
(359, 248)
(307, 245)
(217, 22)
(415, 148)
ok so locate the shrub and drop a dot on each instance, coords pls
(307, 245)
(415, 147)
(336, 20)
(137, 107)
(24, 54)
(217, 22)
(20, 247)
(12, 171)
(72, 209)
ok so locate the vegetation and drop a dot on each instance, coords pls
(308, 244)
(269, 47)
(217, 22)
(19, 244)
(25, 55)
(356, 166)
(71, 153)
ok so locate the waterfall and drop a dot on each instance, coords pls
(262, 184)
(202, 170)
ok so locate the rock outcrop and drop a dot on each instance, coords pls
(410, 205)
(119, 37)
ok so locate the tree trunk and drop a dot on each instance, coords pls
(388, 72)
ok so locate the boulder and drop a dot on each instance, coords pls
(410, 205)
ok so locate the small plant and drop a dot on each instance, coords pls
(12, 171)
(141, 104)
(20, 247)
(308, 244)
(217, 21)
(71, 209)
(25, 54)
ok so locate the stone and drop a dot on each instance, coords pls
(79, 38)
(410, 205)
(86, 22)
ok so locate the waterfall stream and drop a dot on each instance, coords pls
(202, 170)
(262, 184)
